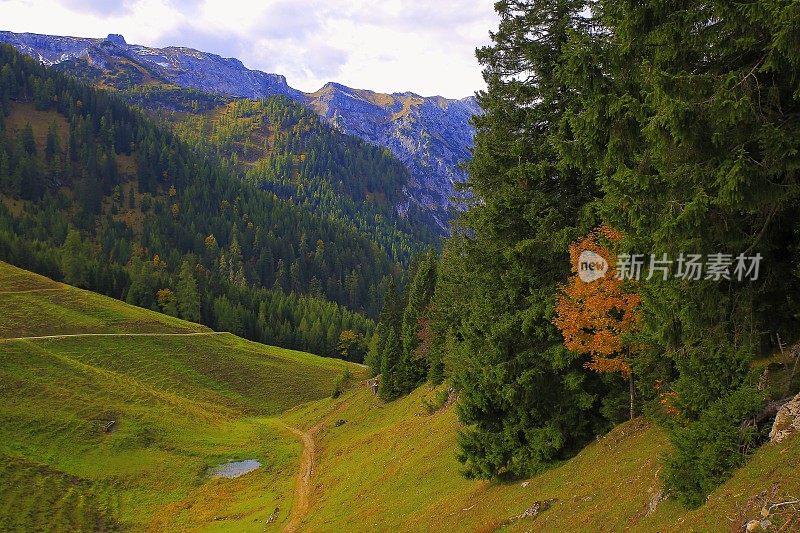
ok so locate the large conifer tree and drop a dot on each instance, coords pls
(525, 399)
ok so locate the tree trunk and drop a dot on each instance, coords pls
(631, 388)
(796, 354)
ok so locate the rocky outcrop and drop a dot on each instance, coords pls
(533, 511)
(432, 136)
(787, 421)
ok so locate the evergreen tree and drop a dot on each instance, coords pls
(229, 316)
(73, 259)
(446, 311)
(420, 292)
(699, 100)
(188, 296)
(389, 319)
(373, 357)
(390, 366)
(525, 400)
(51, 147)
(414, 365)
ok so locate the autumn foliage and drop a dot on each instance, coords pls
(594, 316)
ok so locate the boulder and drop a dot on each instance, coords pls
(537, 507)
(787, 421)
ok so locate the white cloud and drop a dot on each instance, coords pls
(393, 45)
(139, 22)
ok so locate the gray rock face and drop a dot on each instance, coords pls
(432, 136)
(787, 421)
(116, 39)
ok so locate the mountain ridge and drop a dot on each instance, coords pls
(432, 136)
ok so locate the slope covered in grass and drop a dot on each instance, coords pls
(185, 403)
(182, 400)
(392, 467)
(33, 305)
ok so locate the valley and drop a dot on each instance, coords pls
(567, 303)
(184, 399)
(180, 400)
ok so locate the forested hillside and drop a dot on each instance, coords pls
(99, 195)
(284, 148)
(661, 140)
(430, 135)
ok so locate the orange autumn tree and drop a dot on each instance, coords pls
(595, 315)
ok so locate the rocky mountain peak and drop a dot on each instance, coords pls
(116, 38)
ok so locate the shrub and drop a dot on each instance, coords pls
(709, 449)
(438, 401)
(340, 384)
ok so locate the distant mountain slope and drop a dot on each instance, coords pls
(430, 135)
(285, 148)
(180, 66)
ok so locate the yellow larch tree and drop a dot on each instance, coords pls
(595, 315)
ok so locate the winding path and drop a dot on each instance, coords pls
(302, 487)
(27, 291)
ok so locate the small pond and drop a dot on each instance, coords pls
(235, 469)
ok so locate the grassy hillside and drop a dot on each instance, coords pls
(33, 305)
(183, 400)
(392, 467)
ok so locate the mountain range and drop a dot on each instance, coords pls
(431, 136)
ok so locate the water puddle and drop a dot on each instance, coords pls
(235, 469)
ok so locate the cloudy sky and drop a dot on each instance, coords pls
(424, 46)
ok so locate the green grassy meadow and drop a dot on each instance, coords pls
(33, 305)
(181, 405)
